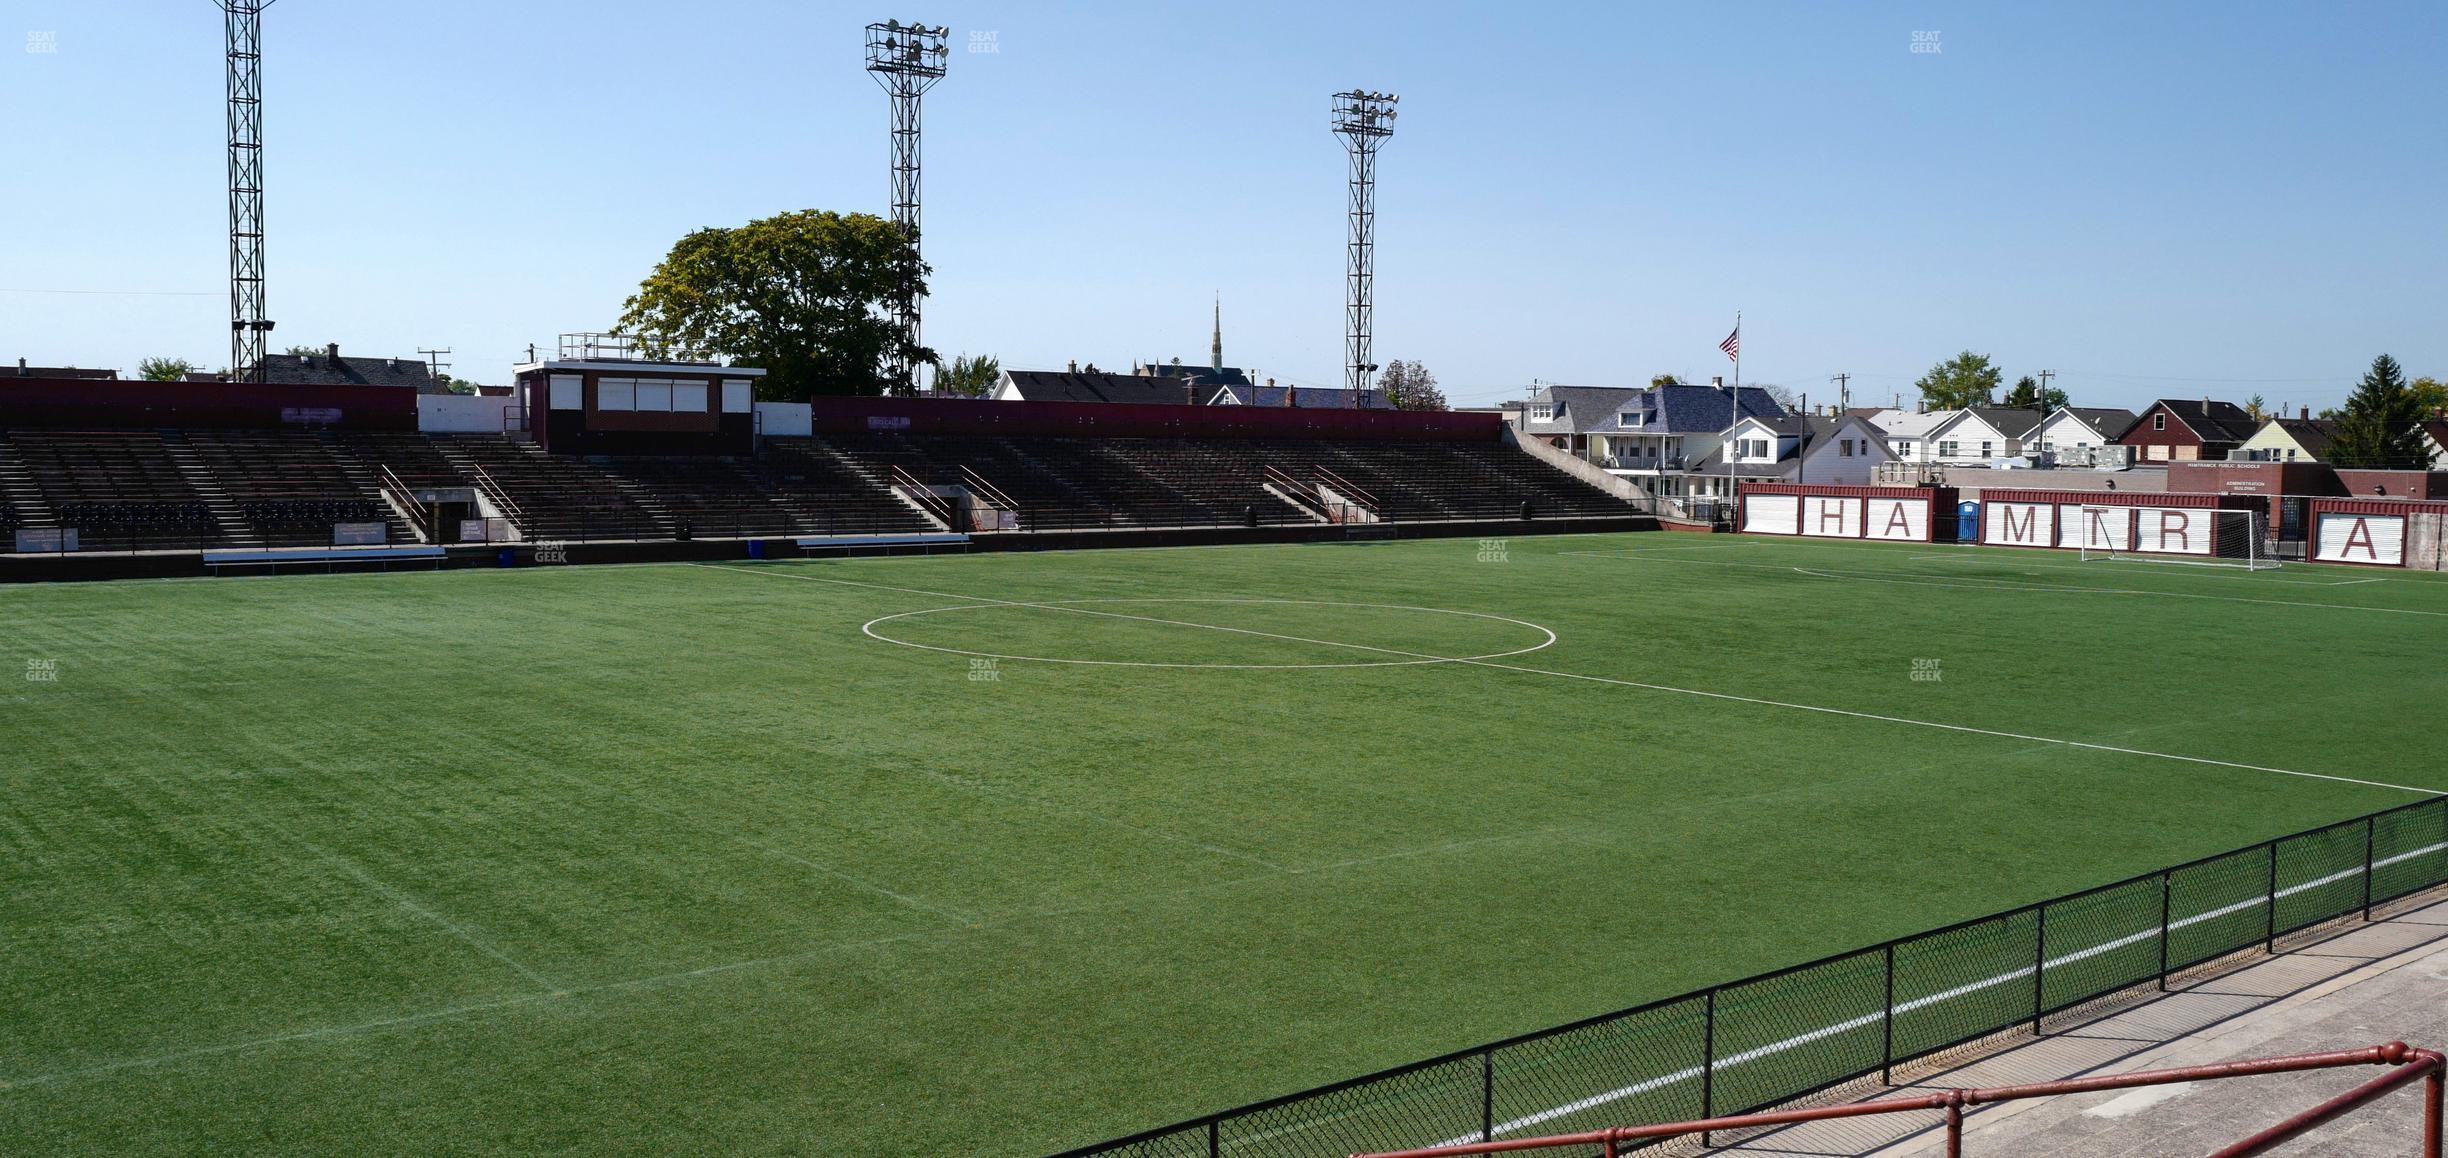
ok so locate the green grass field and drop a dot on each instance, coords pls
(773, 858)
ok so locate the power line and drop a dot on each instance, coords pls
(121, 293)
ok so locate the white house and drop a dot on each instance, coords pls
(1805, 448)
(2073, 432)
(1907, 431)
(1976, 435)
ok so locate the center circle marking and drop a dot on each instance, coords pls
(869, 629)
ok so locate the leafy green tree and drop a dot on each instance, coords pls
(2257, 407)
(801, 295)
(164, 369)
(2431, 394)
(969, 377)
(1664, 380)
(2378, 427)
(1409, 386)
(1967, 379)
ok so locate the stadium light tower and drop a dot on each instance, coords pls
(1364, 120)
(907, 59)
(243, 41)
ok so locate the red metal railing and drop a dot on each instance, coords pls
(2409, 1064)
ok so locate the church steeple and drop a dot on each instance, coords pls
(1215, 353)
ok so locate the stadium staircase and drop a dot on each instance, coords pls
(707, 497)
(287, 488)
(120, 489)
(860, 479)
(549, 496)
(226, 516)
(21, 500)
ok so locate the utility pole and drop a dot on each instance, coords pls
(434, 364)
(1364, 120)
(2045, 375)
(1844, 392)
(907, 59)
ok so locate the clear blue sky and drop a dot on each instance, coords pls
(2150, 199)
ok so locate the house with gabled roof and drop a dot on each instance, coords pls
(1302, 397)
(2188, 430)
(2300, 439)
(2435, 441)
(1806, 448)
(1094, 385)
(1976, 435)
(1907, 431)
(2072, 432)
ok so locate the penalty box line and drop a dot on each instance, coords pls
(1727, 697)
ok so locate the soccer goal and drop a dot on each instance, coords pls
(2193, 535)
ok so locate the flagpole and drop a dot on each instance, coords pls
(1733, 517)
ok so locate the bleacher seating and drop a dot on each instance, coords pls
(825, 498)
(553, 496)
(414, 458)
(708, 497)
(120, 489)
(289, 486)
(238, 489)
(1068, 483)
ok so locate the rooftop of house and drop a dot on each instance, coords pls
(1307, 397)
(2109, 421)
(2006, 420)
(24, 371)
(1094, 385)
(331, 368)
(1204, 375)
(2213, 420)
(1671, 409)
(2312, 434)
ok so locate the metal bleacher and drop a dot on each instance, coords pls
(120, 489)
(259, 489)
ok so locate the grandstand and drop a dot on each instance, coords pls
(294, 466)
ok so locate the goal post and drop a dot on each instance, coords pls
(2199, 536)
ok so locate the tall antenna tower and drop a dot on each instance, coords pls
(1364, 120)
(907, 59)
(249, 328)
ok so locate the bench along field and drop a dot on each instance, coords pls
(1006, 853)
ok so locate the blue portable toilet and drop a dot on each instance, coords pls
(1967, 522)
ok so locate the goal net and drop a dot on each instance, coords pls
(2192, 535)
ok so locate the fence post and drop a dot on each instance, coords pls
(2039, 963)
(1708, 1062)
(2167, 889)
(2269, 938)
(1487, 1095)
(2371, 832)
(1887, 1035)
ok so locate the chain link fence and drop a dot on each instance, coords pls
(1751, 1044)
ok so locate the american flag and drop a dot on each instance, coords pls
(1732, 345)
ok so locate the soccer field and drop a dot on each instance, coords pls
(1003, 853)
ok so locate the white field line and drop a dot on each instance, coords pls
(1918, 1003)
(1669, 688)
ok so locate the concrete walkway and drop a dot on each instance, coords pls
(2339, 988)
